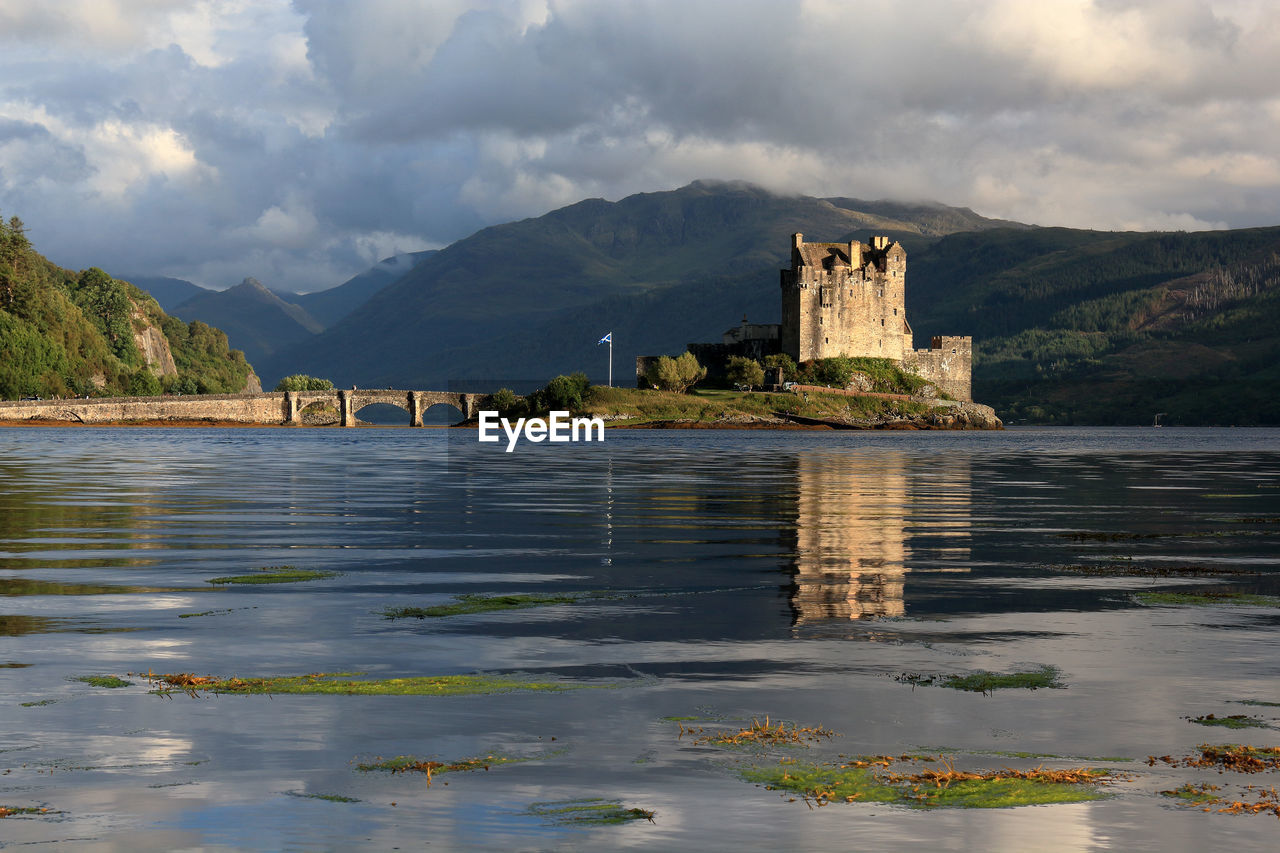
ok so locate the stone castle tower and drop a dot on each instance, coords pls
(849, 299)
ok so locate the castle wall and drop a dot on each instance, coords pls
(845, 299)
(948, 364)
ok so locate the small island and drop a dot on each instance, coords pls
(842, 357)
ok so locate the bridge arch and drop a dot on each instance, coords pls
(413, 402)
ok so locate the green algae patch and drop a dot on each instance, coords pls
(1006, 792)
(40, 703)
(275, 574)
(1258, 702)
(985, 682)
(824, 783)
(27, 586)
(869, 780)
(589, 812)
(107, 681)
(1206, 599)
(466, 605)
(431, 767)
(328, 798)
(1234, 721)
(340, 683)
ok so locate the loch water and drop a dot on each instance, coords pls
(818, 578)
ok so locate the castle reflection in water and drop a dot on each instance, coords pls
(863, 521)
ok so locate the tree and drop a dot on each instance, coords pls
(106, 301)
(781, 359)
(14, 247)
(676, 374)
(508, 403)
(744, 372)
(566, 392)
(303, 382)
(143, 383)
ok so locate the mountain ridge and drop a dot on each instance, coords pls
(539, 267)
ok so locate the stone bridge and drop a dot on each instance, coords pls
(279, 407)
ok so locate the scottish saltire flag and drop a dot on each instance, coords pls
(607, 339)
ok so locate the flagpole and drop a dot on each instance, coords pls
(610, 360)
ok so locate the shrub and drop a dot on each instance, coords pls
(303, 382)
(676, 374)
(566, 392)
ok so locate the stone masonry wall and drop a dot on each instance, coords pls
(845, 299)
(233, 408)
(271, 408)
(948, 364)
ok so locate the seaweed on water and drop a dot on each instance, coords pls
(592, 811)
(868, 779)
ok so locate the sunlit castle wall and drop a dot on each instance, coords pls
(845, 299)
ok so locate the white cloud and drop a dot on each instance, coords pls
(194, 138)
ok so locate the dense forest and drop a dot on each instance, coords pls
(77, 334)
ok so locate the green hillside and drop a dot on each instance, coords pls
(75, 334)
(1110, 328)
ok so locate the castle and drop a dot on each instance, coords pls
(844, 299)
(849, 299)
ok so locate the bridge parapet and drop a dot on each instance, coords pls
(269, 408)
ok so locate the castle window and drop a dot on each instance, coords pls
(826, 340)
(895, 312)
(881, 321)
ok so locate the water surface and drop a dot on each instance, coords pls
(734, 574)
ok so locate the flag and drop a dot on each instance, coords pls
(607, 339)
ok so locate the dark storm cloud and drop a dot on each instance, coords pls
(299, 143)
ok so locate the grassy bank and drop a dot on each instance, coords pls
(633, 406)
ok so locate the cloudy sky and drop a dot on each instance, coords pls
(301, 141)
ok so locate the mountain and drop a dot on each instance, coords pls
(1070, 326)
(72, 334)
(256, 320)
(485, 303)
(330, 306)
(1091, 327)
(169, 293)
